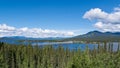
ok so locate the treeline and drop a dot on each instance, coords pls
(21, 56)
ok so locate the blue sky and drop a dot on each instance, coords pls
(62, 15)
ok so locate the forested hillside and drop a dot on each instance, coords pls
(97, 36)
(20, 56)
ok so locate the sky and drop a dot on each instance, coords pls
(58, 18)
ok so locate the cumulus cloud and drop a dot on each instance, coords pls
(6, 30)
(105, 21)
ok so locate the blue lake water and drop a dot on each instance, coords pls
(74, 46)
(69, 45)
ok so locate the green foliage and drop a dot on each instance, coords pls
(21, 56)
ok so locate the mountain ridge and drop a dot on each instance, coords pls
(98, 36)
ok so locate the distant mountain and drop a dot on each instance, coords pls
(14, 37)
(17, 39)
(98, 36)
(29, 38)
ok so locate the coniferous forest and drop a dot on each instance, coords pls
(21, 56)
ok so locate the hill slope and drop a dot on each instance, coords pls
(98, 36)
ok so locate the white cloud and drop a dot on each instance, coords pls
(4, 27)
(6, 30)
(105, 21)
(108, 27)
(95, 13)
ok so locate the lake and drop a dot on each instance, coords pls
(74, 46)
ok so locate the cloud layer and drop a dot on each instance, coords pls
(105, 21)
(6, 30)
